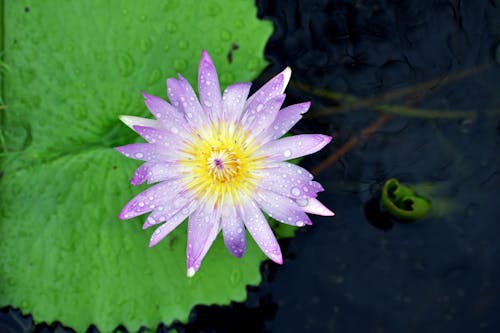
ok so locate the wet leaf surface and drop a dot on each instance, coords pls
(72, 69)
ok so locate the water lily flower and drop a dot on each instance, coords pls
(220, 161)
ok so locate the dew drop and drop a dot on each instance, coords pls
(180, 65)
(171, 27)
(295, 191)
(299, 223)
(214, 9)
(154, 77)
(287, 153)
(146, 45)
(125, 64)
(174, 130)
(235, 276)
(139, 155)
(240, 23)
(183, 44)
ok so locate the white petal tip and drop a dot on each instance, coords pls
(132, 121)
(127, 120)
(328, 213)
(287, 74)
(190, 272)
(317, 208)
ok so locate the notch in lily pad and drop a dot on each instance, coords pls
(401, 202)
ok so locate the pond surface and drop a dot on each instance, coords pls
(409, 90)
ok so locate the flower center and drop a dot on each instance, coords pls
(223, 165)
(220, 163)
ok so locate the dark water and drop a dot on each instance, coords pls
(359, 271)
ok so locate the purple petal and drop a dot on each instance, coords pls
(156, 172)
(159, 136)
(149, 199)
(167, 210)
(183, 97)
(259, 119)
(203, 227)
(282, 209)
(233, 100)
(147, 152)
(289, 180)
(285, 120)
(208, 87)
(140, 175)
(233, 231)
(313, 206)
(294, 146)
(167, 227)
(258, 227)
(157, 106)
(167, 115)
(274, 87)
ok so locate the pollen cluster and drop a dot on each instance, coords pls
(221, 163)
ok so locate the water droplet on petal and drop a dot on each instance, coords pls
(287, 153)
(295, 192)
(139, 155)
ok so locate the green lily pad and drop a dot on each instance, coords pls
(73, 68)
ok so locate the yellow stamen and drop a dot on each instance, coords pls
(220, 163)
